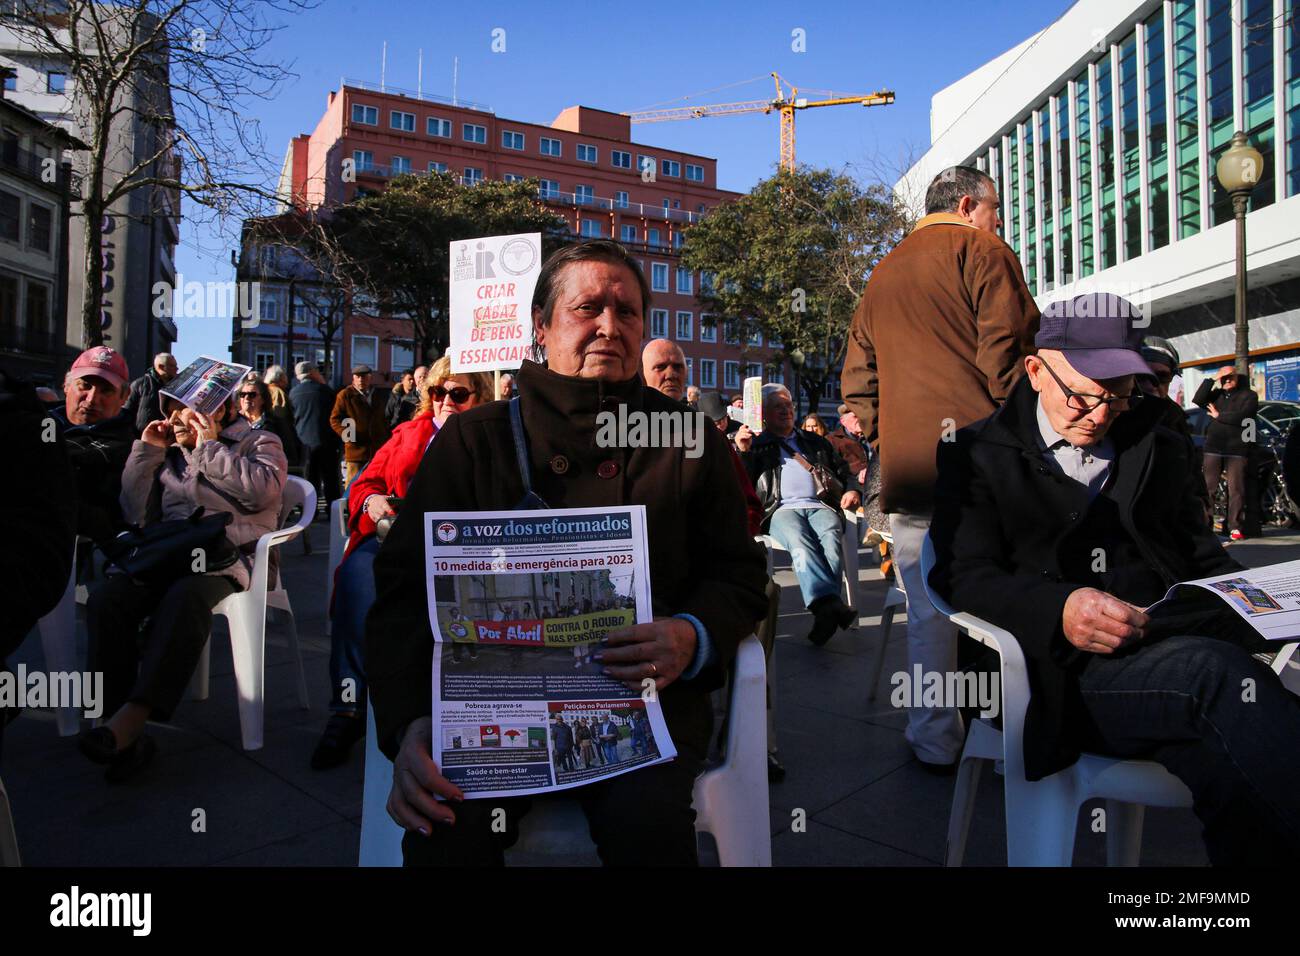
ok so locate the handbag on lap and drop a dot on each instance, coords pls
(164, 552)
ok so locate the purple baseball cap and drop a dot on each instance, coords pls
(1098, 333)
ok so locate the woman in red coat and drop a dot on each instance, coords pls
(385, 477)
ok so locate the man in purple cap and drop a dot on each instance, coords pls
(1059, 518)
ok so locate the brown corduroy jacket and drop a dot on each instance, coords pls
(936, 343)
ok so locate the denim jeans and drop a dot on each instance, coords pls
(354, 592)
(812, 536)
(1220, 721)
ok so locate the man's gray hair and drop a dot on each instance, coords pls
(161, 358)
(772, 388)
(274, 373)
(949, 186)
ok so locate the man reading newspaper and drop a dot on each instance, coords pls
(1059, 518)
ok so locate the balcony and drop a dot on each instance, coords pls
(31, 166)
(643, 210)
(414, 95)
(29, 341)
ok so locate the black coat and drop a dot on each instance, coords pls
(98, 455)
(702, 559)
(312, 403)
(1224, 434)
(1003, 530)
(144, 404)
(763, 465)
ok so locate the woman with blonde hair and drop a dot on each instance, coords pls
(443, 393)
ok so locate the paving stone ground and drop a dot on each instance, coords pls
(850, 774)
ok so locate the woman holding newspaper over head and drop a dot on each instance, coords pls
(369, 502)
(174, 569)
(706, 572)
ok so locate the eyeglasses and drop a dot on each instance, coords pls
(458, 395)
(248, 395)
(1079, 402)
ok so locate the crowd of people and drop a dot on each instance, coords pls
(1016, 445)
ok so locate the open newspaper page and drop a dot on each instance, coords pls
(205, 384)
(519, 601)
(1266, 598)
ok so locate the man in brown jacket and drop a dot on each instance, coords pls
(936, 343)
(359, 419)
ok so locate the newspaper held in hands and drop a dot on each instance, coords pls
(1268, 598)
(518, 602)
(205, 384)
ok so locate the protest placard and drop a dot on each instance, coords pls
(492, 280)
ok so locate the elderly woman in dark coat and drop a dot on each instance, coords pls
(707, 573)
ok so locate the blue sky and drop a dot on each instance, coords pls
(631, 56)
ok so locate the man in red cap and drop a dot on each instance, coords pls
(98, 437)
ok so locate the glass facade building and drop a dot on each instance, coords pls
(1119, 161)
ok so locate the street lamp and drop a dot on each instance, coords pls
(796, 362)
(1238, 172)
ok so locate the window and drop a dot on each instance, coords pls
(55, 81)
(365, 350)
(627, 233)
(773, 342)
(511, 140)
(620, 200)
(11, 80)
(756, 339)
(473, 175)
(730, 334)
(706, 283)
(10, 210)
(586, 153)
(593, 229)
(690, 370)
(548, 188)
(659, 276)
(399, 165)
(40, 227)
(551, 147)
(364, 160)
(620, 160)
(708, 328)
(670, 167)
(658, 323)
(753, 370)
(403, 356)
(583, 195)
(731, 375)
(776, 374)
(646, 164)
(38, 306)
(685, 281)
(708, 373)
(694, 173)
(653, 238)
(513, 178)
(435, 126)
(270, 308)
(262, 361)
(8, 301)
(678, 239)
(684, 320)
(437, 167)
(402, 121)
(367, 115)
(473, 133)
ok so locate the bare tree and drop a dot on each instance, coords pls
(162, 93)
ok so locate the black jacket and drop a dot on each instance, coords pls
(701, 557)
(98, 455)
(312, 403)
(144, 404)
(1224, 435)
(763, 465)
(1004, 530)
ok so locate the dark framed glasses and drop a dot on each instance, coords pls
(458, 395)
(248, 396)
(1079, 402)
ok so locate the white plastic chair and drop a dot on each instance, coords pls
(8, 839)
(245, 613)
(730, 800)
(849, 540)
(338, 543)
(895, 597)
(1042, 814)
(58, 631)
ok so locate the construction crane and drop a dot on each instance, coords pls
(785, 104)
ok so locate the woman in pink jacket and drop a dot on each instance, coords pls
(179, 464)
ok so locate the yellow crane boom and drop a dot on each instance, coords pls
(783, 103)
